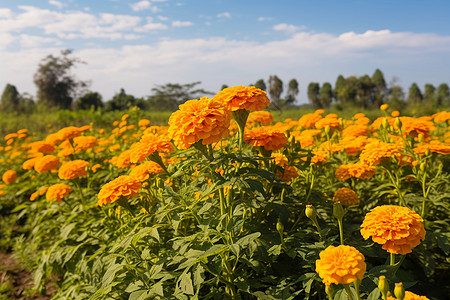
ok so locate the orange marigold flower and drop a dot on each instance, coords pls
(68, 132)
(263, 117)
(123, 160)
(34, 195)
(309, 120)
(397, 228)
(353, 145)
(357, 170)
(205, 120)
(384, 107)
(143, 122)
(29, 164)
(42, 146)
(340, 265)
(243, 97)
(346, 197)
(288, 173)
(280, 159)
(442, 116)
(73, 169)
(123, 186)
(415, 126)
(149, 144)
(433, 146)
(410, 296)
(57, 191)
(395, 113)
(268, 137)
(9, 176)
(373, 152)
(355, 131)
(83, 142)
(328, 121)
(142, 172)
(46, 163)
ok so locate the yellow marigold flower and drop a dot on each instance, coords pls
(66, 149)
(280, 159)
(123, 160)
(319, 111)
(268, 137)
(397, 228)
(68, 132)
(384, 107)
(143, 122)
(243, 97)
(205, 120)
(433, 146)
(353, 145)
(332, 122)
(442, 116)
(410, 296)
(346, 197)
(142, 172)
(42, 146)
(395, 113)
(357, 170)
(415, 126)
(319, 157)
(309, 120)
(355, 131)
(29, 164)
(84, 142)
(262, 117)
(373, 152)
(123, 186)
(289, 172)
(148, 145)
(58, 191)
(73, 169)
(9, 176)
(46, 163)
(340, 265)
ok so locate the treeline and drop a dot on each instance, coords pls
(58, 88)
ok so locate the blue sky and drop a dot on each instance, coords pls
(137, 44)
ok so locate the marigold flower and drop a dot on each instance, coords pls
(288, 173)
(309, 120)
(268, 137)
(243, 97)
(123, 186)
(46, 163)
(142, 172)
(9, 176)
(205, 120)
(346, 197)
(42, 146)
(73, 169)
(384, 107)
(280, 159)
(397, 228)
(84, 142)
(143, 122)
(123, 160)
(331, 121)
(149, 144)
(395, 113)
(375, 151)
(357, 170)
(340, 265)
(433, 146)
(410, 296)
(29, 163)
(69, 132)
(57, 191)
(262, 117)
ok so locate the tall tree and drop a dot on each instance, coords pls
(414, 94)
(292, 92)
(395, 95)
(443, 94)
(11, 100)
(260, 84)
(275, 90)
(121, 101)
(88, 101)
(339, 86)
(180, 92)
(364, 91)
(429, 93)
(325, 95)
(313, 94)
(380, 88)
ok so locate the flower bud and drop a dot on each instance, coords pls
(422, 167)
(311, 212)
(399, 291)
(338, 211)
(398, 123)
(385, 123)
(427, 152)
(383, 285)
(421, 138)
(280, 226)
(327, 129)
(384, 106)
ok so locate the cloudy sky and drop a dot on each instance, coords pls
(137, 44)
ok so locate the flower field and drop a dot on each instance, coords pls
(224, 203)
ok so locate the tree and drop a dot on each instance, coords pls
(121, 101)
(10, 100)
(364, 92)
(275, 90)
(88, 101)
(395, 95)
(380, 88)
(429, 93)
(325, 95)
(339, 86)
(56, 86)
(443, 94)
(260, 84)
(292, 92)
(414, 94)
(313, 94)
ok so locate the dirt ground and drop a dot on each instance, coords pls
(16, 281)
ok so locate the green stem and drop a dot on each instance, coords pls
(341, 231)
(349, 291)
(392, 260)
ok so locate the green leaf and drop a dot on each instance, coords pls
(248, 238)
(375, 294)
(66, 230)
(185, 283)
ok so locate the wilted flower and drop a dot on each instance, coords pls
(57, 191)
(397, 228)
(243, 97)
(123, 186)
(340, 265)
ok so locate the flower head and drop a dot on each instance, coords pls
(123, 186)
(397, 228)
(46, 163)
(340, 265)
(142, 172)
(243, 97)
(9, 176)
(357, 170)
(346, 197)
(375, 151)
(42, 146)
(57, 192)
(149, 144)
(268, 137)
(205, 120)
(73, 169)
(84, 142)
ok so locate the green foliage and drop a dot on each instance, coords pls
(91, 100)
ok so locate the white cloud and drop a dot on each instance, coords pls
(33, 41)
(56, 3)
(224, 15)
(5, 13)
(288, 28)
(163, 18)
(144, 5)
(6, 39)
(260, 19)
(182, 23)
(151, 26)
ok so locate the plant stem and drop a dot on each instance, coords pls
(341, 231)
(349, 291)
